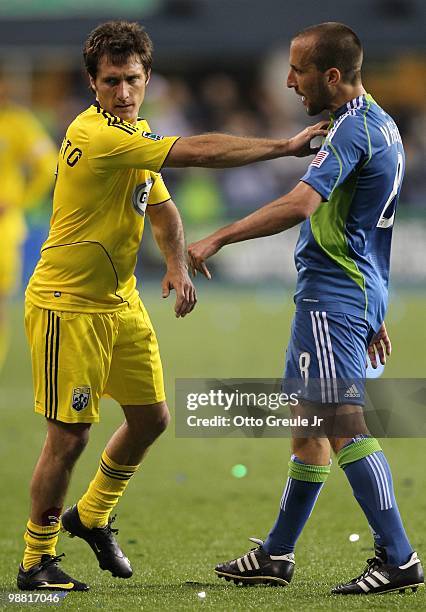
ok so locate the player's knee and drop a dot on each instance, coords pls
(314, 451)
(74, 446)
(338, 443)
(147, 423)
(161, 423)
(67, 442)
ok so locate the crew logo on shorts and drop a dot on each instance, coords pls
(80, 398)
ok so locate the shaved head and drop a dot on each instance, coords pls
(334, 45)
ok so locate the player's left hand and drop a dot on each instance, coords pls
(300, 145)
(198, 252)
(380, 345)
(186, 296)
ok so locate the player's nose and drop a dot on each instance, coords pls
(291, 81)
(123, 90)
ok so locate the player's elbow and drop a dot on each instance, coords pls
(301, 211)
(304, 208)
(303, 201)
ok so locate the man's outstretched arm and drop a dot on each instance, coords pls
(225, 151)
(275, 217)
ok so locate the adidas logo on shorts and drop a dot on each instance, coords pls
(352, 392)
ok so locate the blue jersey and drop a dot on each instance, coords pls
(343, 252)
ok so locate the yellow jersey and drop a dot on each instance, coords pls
(108, 173)
(27, 168)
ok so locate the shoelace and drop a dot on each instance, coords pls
(53, 560)
(43, 564)
(108, 527)
(372, 563)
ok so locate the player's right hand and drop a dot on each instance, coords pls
(186, 296)
(300, 145)
(380, 345)
(198, 252)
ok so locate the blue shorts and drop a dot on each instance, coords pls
(326, 357)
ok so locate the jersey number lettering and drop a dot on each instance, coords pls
(304, 363)
(385, 222)
(71, 157)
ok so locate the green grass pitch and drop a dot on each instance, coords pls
(185, 511)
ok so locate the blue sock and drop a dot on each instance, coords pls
(300, 494)
(369, 474)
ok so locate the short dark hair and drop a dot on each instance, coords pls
(117, 40)
(336, 46)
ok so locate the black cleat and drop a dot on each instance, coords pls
(257, 567)
(101, 540)
(380, 577)
(46, 576)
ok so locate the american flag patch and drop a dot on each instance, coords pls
(321, 156)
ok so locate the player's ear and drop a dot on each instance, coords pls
(92, 84)
(148, 76)
(333, 76)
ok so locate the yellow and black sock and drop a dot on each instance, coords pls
(40, 540)
(104, 492)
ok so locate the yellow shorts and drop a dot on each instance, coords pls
(78, 357)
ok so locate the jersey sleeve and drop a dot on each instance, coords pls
(159, 192)
(122, 145)
(346, 146)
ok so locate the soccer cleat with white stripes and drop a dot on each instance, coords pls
(379, 577)
(257, 567)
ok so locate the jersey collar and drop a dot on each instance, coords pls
(353, 105)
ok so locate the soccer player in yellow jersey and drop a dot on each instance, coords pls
(27, 172)
(88, 330)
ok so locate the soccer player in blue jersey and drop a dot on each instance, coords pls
(346, 203)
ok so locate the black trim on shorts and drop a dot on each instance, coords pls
(46, 364)
(51, 366)
(58, 331)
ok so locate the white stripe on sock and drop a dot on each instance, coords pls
(377, 479)
(316, 498)
(382, 470)
(285, 494)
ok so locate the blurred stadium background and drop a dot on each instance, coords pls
(220, 65)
